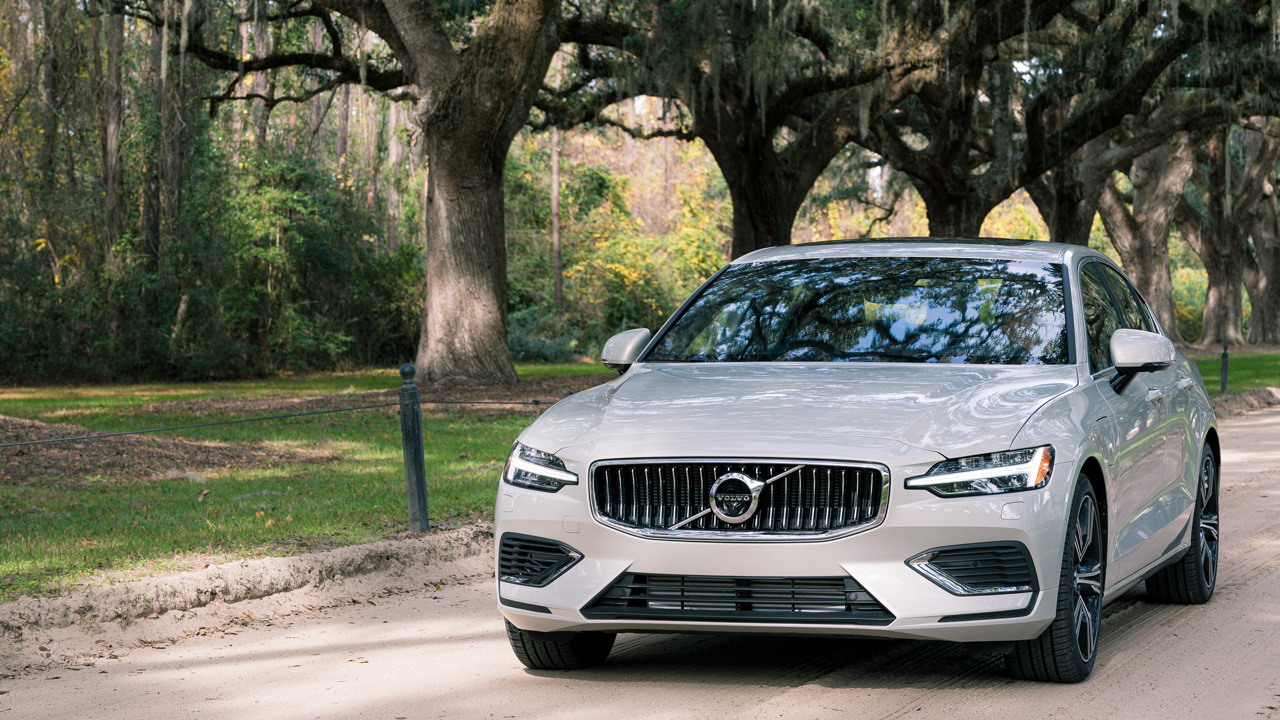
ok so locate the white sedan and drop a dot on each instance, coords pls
(980, 441)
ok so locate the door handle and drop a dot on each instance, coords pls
(1155, 394)
(1185, 383)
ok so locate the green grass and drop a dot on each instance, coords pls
(1245, 371)
(54, 534)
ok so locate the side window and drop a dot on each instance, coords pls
(1127, 298)
(1100, 317)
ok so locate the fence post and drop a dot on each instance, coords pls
(1225, 359)
(415, 479)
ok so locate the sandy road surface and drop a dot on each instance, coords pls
(441, 653)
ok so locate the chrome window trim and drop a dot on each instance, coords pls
(722, 536)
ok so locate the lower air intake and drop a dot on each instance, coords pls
(983, 569)
(533, 561)
(828, 600)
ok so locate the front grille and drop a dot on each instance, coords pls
(636, 596)
(979, 569)
(533, 561)
(818, 498)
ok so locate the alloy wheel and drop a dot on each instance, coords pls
(1087, 578)
(1208, 537)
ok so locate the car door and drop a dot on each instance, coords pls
(1166, 513)
(1135, 431)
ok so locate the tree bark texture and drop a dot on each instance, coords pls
(767, 185)
(468, 123)
(1221, 238)
(556, 269)
(1067, 196)
(1141, 235)
(149, 216)
(1262, 265)
(1262, 277)
(262, 82)
(237, 109)
(112, 159)
(49, 131)
(344, 130)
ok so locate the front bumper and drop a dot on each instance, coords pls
(876, 559)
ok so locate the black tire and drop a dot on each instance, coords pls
(1066, 650)
(576, 651)
(1191, 580)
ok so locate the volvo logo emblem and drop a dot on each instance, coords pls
(734, 497)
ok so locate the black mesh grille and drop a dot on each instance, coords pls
(814, 499)
(636, 596)
(533, 561)
(986, 567)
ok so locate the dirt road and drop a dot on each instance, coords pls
(441, 653)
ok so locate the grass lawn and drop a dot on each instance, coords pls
(56, 531)
(1245, 371)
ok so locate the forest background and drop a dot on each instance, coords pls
(194, 190)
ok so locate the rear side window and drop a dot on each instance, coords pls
(1100, 317)
(1126, 296)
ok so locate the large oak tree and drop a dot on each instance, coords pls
(473, 71)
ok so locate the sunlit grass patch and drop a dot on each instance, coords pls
(58, 531)
(1245, 371)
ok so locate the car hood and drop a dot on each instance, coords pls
(953, 410)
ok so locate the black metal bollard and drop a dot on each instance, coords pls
(1225, 360)
(415, 478)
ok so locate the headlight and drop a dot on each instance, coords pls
(989, 474)
(536, 470)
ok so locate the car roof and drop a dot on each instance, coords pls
(984, 248)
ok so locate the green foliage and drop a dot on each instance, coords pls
(273, 268)
(615, 276)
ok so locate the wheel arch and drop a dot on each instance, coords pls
(1091, 467)
(1211, 439)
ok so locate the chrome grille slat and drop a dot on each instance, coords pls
(818, 498)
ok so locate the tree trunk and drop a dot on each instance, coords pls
(464, 337)
(320, 103)
(556, 269)
(1222, 251)
(344, 131)
(49, 135)
(1262, 276)
(952, 217)
(763, 215)
(1224, 302)
(1235, 202)
(262, 84)
(112, 165)
(237, 109)
(397, 157)
(1141, 237)
(468, 128)
(1068, 197)
(149, 217)
(1262, 265)
(766, 196)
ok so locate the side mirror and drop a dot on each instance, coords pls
(622, 349)
(1138, 351)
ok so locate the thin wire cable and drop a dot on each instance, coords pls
(263, 419)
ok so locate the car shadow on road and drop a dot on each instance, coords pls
(790, 662)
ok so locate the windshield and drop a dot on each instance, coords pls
(886, 309)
